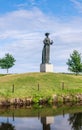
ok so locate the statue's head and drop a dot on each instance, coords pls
(47, 34)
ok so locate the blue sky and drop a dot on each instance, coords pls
(23, 24)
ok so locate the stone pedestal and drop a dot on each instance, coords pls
(47, 120)
(46, 68)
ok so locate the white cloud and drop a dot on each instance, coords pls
(72, 37)
(23, 5)
(77, 4)
(22, 34)
(31, 4)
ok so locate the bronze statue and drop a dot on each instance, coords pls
(46, 49)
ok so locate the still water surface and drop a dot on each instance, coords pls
(68, 121)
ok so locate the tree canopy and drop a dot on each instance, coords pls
(7, 61)
(74, 62)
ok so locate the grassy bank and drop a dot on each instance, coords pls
(43, 84)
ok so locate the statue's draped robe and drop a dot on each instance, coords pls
(46, 51)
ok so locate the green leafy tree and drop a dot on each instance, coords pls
(7, 62)
(74, 62)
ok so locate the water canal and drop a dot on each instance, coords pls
(43, 118)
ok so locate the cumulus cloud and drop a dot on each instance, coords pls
(22, 34)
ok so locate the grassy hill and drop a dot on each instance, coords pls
(27, 85)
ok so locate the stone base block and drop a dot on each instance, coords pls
(46, 68)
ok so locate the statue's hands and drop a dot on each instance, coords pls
(51, 42)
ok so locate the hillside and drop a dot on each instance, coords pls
(45, 84)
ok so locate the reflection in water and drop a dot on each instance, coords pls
(76, 121)
(6, 126)
(62, 122)
(46, 121)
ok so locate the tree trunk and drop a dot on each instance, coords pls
(77, 73)
(7, 70)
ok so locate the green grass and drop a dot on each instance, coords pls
(26, 85)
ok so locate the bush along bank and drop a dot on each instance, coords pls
(37, 99)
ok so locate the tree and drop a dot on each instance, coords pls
(74, 63)
(75, 120)
(6, 126)
(7, 62)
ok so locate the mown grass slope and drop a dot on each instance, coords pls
(27, 85)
